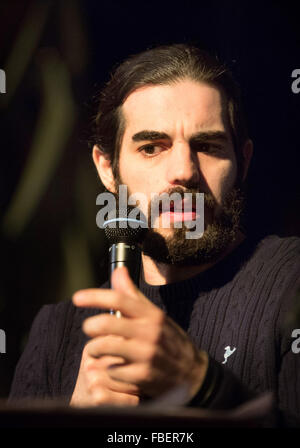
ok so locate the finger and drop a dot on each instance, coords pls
(106, 324)
(96, 298)
(130, 349)
(115, 398)
(129, 305)
(98, 377)
(137, 373)
(104, 362)
(148, 379)
(121, 281)
(123, 387)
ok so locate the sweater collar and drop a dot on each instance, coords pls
(214, 277)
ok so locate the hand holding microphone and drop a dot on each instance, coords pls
(94, 385)
(124, 235)
(143, 354)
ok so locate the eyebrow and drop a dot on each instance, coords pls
(202, 136)
(150, 135)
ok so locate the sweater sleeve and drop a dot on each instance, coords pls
(31, 378)
(225, 391)
(221, 389)
(229, 392)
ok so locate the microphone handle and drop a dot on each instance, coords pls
(128, 255)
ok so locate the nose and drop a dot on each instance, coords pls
(183, 166)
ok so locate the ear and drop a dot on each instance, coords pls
(103, 165)
(247, 156)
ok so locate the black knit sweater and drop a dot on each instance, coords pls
(242, 302)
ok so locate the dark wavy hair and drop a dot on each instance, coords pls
(159, 66)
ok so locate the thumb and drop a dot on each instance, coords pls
(121, 281)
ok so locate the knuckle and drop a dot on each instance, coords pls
(90, 383)
(151, 352)
(133, 400)
(144, 373)
(160, 317)
(133, 389)
(101, 396)
(104, 322)
(85, 351)
(117, 300)
(156, 334)
(103, 362)
(89, 364)
(94, 382)
(150, 330)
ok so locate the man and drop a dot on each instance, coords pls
(209, 313)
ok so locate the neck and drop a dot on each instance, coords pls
(161, 274)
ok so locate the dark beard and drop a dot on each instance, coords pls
(178, 250)
(217, 236)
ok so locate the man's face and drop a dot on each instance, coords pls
(176, 139)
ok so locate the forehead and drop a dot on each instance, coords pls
(186, 105)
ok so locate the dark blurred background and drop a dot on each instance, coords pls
(56, 55)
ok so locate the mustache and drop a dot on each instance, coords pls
(209, 200)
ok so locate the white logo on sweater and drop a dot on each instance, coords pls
(228, 352)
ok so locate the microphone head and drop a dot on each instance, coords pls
(125, 226)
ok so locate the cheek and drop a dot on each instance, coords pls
(139, 185)
(138, 177)
(222, 179)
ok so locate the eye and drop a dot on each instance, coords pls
(151, 149)
(210, 148)
(205, 147)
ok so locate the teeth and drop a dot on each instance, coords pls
(184, 207)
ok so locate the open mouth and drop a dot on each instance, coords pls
(181, 211)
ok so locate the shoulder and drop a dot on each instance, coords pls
(48, 328)
(279, 258)
(31, 377)
(52, 353)
(270, 272)
(275, 246)
(274, 255)
(64, 315)
(63, 321)
(50, 318)
(57, 325)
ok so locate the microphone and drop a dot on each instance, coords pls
(124, 234)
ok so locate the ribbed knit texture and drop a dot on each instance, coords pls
(241, 302)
